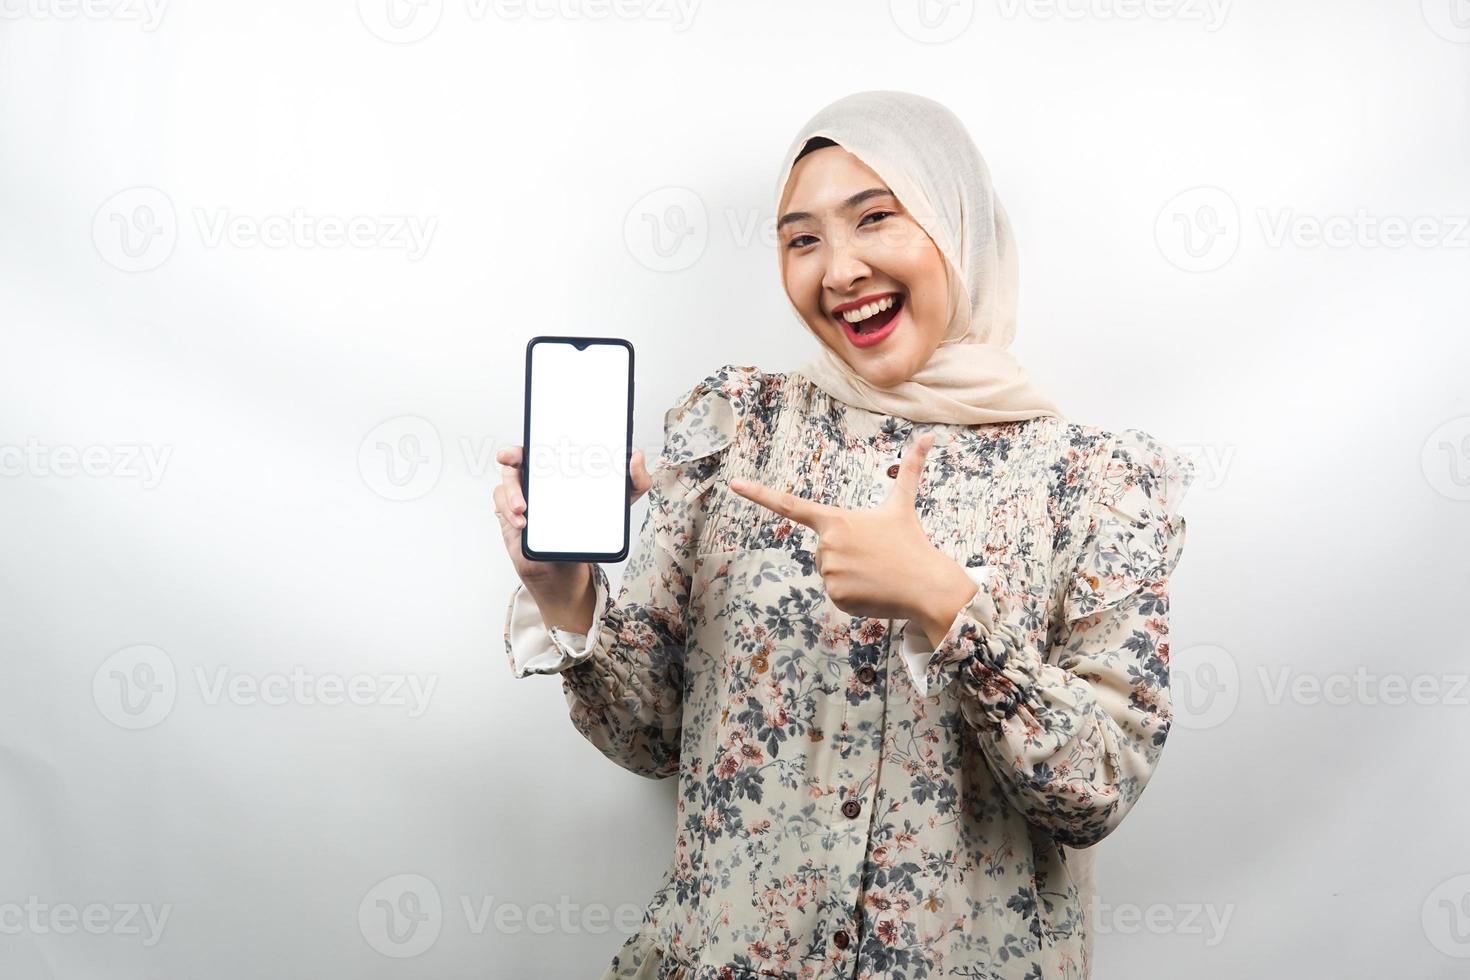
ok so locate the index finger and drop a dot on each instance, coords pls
(508, 457)
(912, 467)
(783, 502)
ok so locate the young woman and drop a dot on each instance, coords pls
(897, 626)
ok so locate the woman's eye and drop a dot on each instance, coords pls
(800, 240)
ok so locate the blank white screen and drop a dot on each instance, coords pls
(577, 450)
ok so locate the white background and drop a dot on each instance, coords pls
(321, 419)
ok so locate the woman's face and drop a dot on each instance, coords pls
(847, 243)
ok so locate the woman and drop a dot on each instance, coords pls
(898, 627)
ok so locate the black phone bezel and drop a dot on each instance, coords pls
(580, 343)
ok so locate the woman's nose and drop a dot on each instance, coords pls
(844, 266)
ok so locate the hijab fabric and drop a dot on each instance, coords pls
(923, 153)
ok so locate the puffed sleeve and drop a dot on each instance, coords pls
(623, 679)
(1074, 734)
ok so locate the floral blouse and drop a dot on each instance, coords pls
(852, 803)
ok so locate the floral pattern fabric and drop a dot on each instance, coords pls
(834, 818)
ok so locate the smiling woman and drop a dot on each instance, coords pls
(883, 195)
(898, 628)
(861, 271)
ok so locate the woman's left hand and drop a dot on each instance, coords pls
(878, 562)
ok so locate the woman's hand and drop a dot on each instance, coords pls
(551, 578)
(879, 562)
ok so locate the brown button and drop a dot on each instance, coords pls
(867, 674)
(893, 471)
(851, 808)
(841, 938)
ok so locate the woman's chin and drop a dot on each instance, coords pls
(887, 379)
(884, 366)
(887, 371)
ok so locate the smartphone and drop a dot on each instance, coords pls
(577, 446)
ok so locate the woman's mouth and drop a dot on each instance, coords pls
(877, 325)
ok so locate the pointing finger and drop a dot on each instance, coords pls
(911, 468)
(783, 502)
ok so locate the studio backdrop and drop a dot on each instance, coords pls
(269, 271)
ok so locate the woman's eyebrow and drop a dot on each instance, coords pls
(846, 205)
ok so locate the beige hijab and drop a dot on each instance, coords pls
(924, 154)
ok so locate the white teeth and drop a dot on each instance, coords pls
(869, 309)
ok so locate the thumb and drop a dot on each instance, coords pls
(910, 469)
(638, 470)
